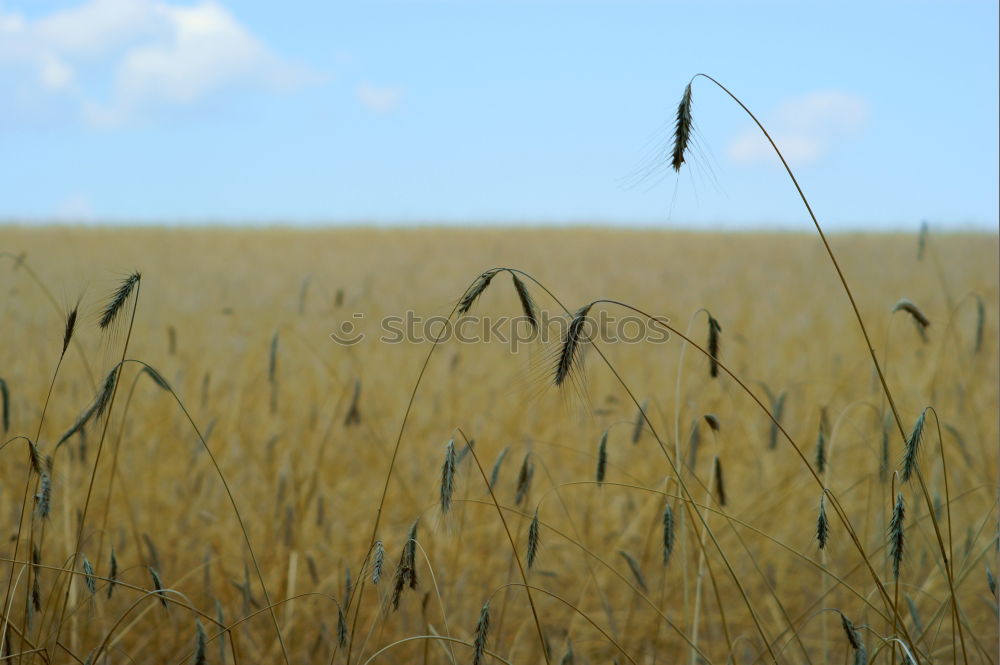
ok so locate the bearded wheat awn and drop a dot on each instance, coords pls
(158, 586)
(116, 302)
(602, 458)
(913, 441)
(482, 630)
(822, 524)
(448, 477)
(68, 330)
(533, 540)
(668, 533)
(682, 130)
(570, 351)
(896, 535)
(476, 290)
(528, 307)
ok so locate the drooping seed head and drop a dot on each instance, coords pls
(156, 377)
(96, 408)
(476, 290)
(852, 633)
(528, 307)
(919, 319)
(713, 421)
(158, 586)
(35, 456)
(569, 353)
(495, 471)
(633, 565)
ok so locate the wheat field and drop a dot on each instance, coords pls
(236, 326)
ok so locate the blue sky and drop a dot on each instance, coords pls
(480, 111)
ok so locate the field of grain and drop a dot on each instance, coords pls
(236, 326)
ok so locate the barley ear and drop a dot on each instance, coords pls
(602, 458)
(913, 441)
(822, 524)
(478, 287)
(533, 540)
(896, 535)
(570, 351)
(682, 130)
(668, 532)
(70, 327)
(448, 477)
(528, 307)
(117, 300)
(482, 630)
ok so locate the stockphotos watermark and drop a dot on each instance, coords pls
(514, 331)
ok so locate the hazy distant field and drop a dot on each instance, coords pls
(239, 324)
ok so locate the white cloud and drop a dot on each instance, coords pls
(379, 99)
(805, 128)
(148, 53)
(75, 208)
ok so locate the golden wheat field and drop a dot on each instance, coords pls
(577, 529)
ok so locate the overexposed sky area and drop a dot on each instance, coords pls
(512, 111)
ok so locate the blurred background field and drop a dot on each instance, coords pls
(217, 307)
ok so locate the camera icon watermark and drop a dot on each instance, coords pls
(513, 331)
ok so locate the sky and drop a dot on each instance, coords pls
(474, 112)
